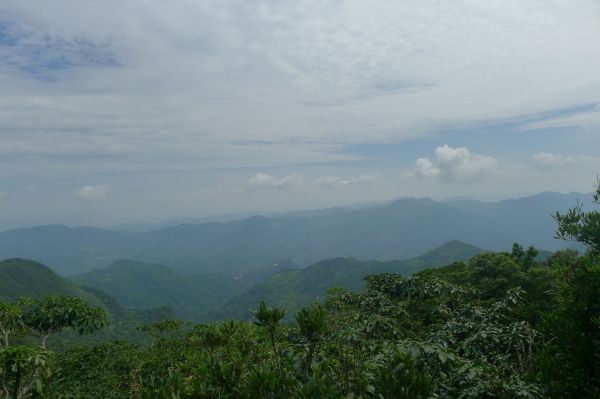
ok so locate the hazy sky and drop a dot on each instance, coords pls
(130, 110)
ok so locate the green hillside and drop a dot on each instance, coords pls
(147, 285)
(293, 289)
(26, 278)
(22, 277)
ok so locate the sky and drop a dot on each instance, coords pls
(121, 111)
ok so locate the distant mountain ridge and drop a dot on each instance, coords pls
(142, 227)
(397, 230)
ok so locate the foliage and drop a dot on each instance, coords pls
(526, 259)
(106, 371)
(54, 313)
(20, 369)
(269, 318)
(399, 378)
(570, 362)
(163, 329)
(312, 325)
(493, 274)
(580, 226)
(11, 322)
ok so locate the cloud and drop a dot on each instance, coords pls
(425, 168)
(43, 57)
(94, 192)
(3, 194)
(454, 164)
(178, 80)
(545, 160)
(261, 181)
(337, 182)
(189, 89)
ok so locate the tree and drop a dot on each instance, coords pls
(269, 318)
(400, 379)
(583, 227)
(311, 321)
(525, 259)
(53, 314)
(164, 329)
(20, 369)
(493, 274)
(10, 322)
(570, 364)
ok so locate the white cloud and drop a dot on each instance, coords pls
(545, 160)
(425, 168)
(3, 194)
(99, 191)
(261, 181)
(454, 163)
(338, 182)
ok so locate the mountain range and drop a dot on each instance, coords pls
(133, 290)
(240, 248)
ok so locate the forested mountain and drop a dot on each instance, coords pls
(22, 277)
(145, 285)
(293, 289)
(25, 278)
(396, 230)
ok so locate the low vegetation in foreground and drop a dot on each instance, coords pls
(502, 325)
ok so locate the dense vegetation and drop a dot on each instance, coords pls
(501, 325)
(142, 285)
(295, 288)
(200, 298)
(24, 278)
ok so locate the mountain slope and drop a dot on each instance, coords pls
(144, 285)
(293, 289)
(25, 278)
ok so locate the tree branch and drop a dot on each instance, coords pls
(32, 380)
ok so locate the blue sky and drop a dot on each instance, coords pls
(119, 111)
